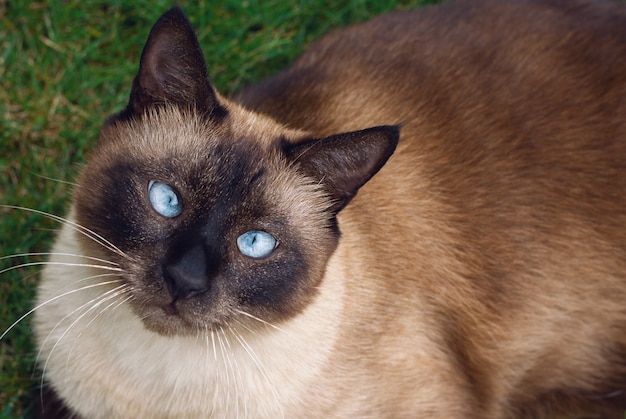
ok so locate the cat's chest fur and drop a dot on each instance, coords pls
(221, 372)
(478, 272)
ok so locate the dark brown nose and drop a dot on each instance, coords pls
(188, 274)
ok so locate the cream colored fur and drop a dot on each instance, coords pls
(266, 373)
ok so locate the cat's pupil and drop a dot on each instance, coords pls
(164, 199)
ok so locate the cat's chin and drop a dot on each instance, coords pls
(167, 320)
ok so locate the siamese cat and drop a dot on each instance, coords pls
(423, 217)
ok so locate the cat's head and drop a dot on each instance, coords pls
(218, 213)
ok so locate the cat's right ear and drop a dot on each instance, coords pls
(172, 70)
(345, 162)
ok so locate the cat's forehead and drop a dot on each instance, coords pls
(169, 132)
(207, 159)
(180, 145)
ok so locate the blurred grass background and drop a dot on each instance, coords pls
(65, 66)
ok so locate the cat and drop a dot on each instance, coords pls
(423, 217)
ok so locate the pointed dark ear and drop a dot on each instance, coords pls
(172, 69)
(345, 162)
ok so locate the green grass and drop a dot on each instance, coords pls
(65, 66)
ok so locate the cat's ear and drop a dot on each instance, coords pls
(172, 69)
(345, 162)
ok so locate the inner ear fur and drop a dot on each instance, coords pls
(343, 163)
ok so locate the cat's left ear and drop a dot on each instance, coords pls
(172, 69)
(345, 162)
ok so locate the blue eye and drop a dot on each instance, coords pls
(256, 244)
(164, 199)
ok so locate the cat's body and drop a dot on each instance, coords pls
(481, 273)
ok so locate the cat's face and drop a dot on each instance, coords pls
(215, 215)
(212, 222)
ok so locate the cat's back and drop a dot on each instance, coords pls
(452, 61)
(504, 203)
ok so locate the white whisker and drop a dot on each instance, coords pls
(18, 255)
(207, 344)
(226, 360)
(31, 311)
(65, 182)
(98, 301)
(234, 369)
(217, 371)
(120, 291)
(77, 227)
(245, 326)
(238, 370)
(213, 341)
(84, 265)
(71, 313)
(211, 390)
(245, 405)
(262, 321)
(88, 278)
(257, 362)
(125, 300)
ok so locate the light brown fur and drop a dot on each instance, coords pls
(503, 209)
(480, 273)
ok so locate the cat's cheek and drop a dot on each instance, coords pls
(277, 291)
(281, 287)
